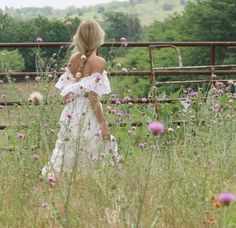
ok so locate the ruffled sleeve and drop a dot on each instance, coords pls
(65, 80)
(98, 83)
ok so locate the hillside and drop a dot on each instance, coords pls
(147, 10)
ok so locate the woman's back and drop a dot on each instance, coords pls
(93, 64)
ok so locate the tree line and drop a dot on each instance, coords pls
(201, 20)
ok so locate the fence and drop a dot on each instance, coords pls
(207, 70)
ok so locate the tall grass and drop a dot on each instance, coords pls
(167, 183)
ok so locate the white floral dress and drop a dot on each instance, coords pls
(79, 141)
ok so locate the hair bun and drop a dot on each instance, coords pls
(83, 57)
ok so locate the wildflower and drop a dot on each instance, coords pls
(216, 108)
(68, 23)
(141, 145)
(200, 104)
(1, 107)
(68, 115)
(113, 111)
(50, 76)
(51, 179)
(230, 82)
(127, 98)
(117, 102)
(1, 81)
(194, 94)
(97, 78)
(83, 57)
(51, 130)
(170, 129)
(213, 197)
(134, 69)
(210, 162)
(39, 39)
(123, 39)
(36, 157)
(217, 204)
(130, 104)
(124, 70)
(226, 197)
(120, 114)
(156, 127)
(180, 114)
(37, 79)
(213, 76)
(118, 65)
(44, 204)
(36, 98)
(144, 99)
(133, 128)
(20, 135)
(27, 77)
(188, 101)
(211, 219)
(220, 91)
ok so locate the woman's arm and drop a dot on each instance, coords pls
(92, 96)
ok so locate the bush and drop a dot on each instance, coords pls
(11, 60)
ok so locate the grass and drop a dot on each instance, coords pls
(168, 183)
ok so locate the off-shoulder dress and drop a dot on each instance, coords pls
(79, 142)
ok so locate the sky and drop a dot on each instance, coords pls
(53, 3)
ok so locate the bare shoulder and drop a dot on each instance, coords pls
(102, 59)
(97, 64)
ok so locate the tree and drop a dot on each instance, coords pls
(118, 24)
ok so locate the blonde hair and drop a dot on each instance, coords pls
(88, 37)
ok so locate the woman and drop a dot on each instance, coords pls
(84, 135)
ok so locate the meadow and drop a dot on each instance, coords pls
(167, 180)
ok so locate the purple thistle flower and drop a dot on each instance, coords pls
(1, 106)
(226, 197)
(51, 179)
(188, 101)
(117, 102)
(127, 98)
(216, 108)
(20, 135)
(124, 70)
(97, 78)
(141, 145)
(144, 99)
(194, 94)
(69, 115)
(39, 39)
(156, 127)
(113, 111)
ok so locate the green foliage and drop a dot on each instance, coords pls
(148, 10)
(27, 31)
(11, 60)
(118, 24)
